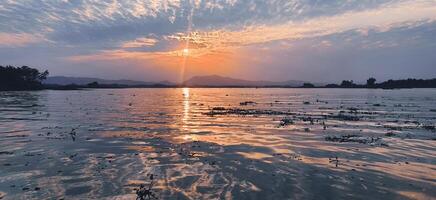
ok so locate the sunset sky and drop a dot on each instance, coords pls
(152, 40)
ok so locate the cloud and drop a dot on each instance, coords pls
(18, 39)
(139, 42)
(155, 31)
(382, 19)
(399, 14)
(122, 54)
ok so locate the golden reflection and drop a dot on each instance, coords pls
(190, 137)
(186, 108)
(255, 155)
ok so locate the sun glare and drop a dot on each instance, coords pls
(185, 52)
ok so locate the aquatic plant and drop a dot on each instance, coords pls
(354, 138)
(286, 121)
(246, 103)
(145, 192)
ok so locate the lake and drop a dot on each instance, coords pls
(192, 143)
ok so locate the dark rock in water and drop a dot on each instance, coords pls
(306, 103)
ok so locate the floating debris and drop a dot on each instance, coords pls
(429, 127)
(394, 128)
(390, 134)
(344, 117)
(353, 110)
(73, 134)
(246, 103)
(6, 152)
(239, 111)
(286, 122)
(356, 139)
(335, 161)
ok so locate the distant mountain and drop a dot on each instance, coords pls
(216, 81)
(64, 80)
(196, 81)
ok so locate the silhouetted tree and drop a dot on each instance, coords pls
(332, 86)
(308, 85)
(93, 84)
(408, 83)
(21, 78)
(371, 82)
(347, 84)
(390, 84)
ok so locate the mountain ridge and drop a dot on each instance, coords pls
(67, 80)
(216, 81)
(195, 81)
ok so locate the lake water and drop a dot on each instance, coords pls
(218, 144)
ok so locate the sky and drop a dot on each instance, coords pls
(277, 40)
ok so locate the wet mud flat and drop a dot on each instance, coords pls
(218, 144)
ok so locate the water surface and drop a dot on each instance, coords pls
(218, 144)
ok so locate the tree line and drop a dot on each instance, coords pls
(21, 78)
(390, 84)
(26, 78)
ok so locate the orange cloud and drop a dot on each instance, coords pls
(204, 45)
(197, 62)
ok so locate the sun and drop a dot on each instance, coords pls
(185, 52)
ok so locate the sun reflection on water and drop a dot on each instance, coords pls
(186, 107)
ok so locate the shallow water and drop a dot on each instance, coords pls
(218, 144)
